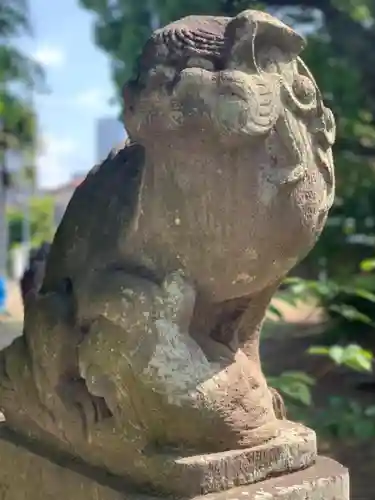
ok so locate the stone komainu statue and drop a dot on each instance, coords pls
(143, 341)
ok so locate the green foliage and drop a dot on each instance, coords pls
(19, 126)
(344, 418)
(350, 308)
(41, 222)
(296, 386)
(17, 119)
(368, 265)
(352, 356)
(340, 417)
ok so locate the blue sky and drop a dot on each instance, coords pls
(78, 76)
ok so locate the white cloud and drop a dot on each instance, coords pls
(49, 56)
(55, 160)
(57, 145)
(93, 99)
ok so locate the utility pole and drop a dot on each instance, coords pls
(4, 178)
(26, 186)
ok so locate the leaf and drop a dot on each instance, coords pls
(298, 376)
(324, 289)
(351, 313)
(293, 281)
(367, 265)
(276, 311)
(359, 365)
(359, 292)
(370, 411)
(318, 350)
(357, 358)
(357, 350)
(363, 429)
(295, 385)
(353, 356)
(337, 402)
(298, 287)
(355, 408)
(299, 392)
(361, 13)
(300, 290)
(336, 353)
(289, 298)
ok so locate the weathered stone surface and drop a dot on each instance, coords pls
(143, 342)
(293, 449)
(27, 474)
(326, 480)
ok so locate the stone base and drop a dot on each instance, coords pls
(293, 449)
(25, 474)
(325, 480)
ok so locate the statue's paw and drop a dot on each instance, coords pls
(91, 407)
(149, 346)
(178, 364)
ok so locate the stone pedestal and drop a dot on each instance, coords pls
(27, 472)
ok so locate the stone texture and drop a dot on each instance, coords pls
(326, 480)
(33, 275)
(293, 449)
(29, 474)
(142, 344)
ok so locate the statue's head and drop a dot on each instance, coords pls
(233, 77)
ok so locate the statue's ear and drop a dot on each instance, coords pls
(253, 30)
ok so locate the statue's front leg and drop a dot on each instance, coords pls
(248, 334)
(136, 343)
(238, 325)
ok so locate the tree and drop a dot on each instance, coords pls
(341, 34)
(41, 222)
(18, 124)
(18, 76)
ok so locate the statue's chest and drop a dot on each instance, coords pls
(232, 240)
